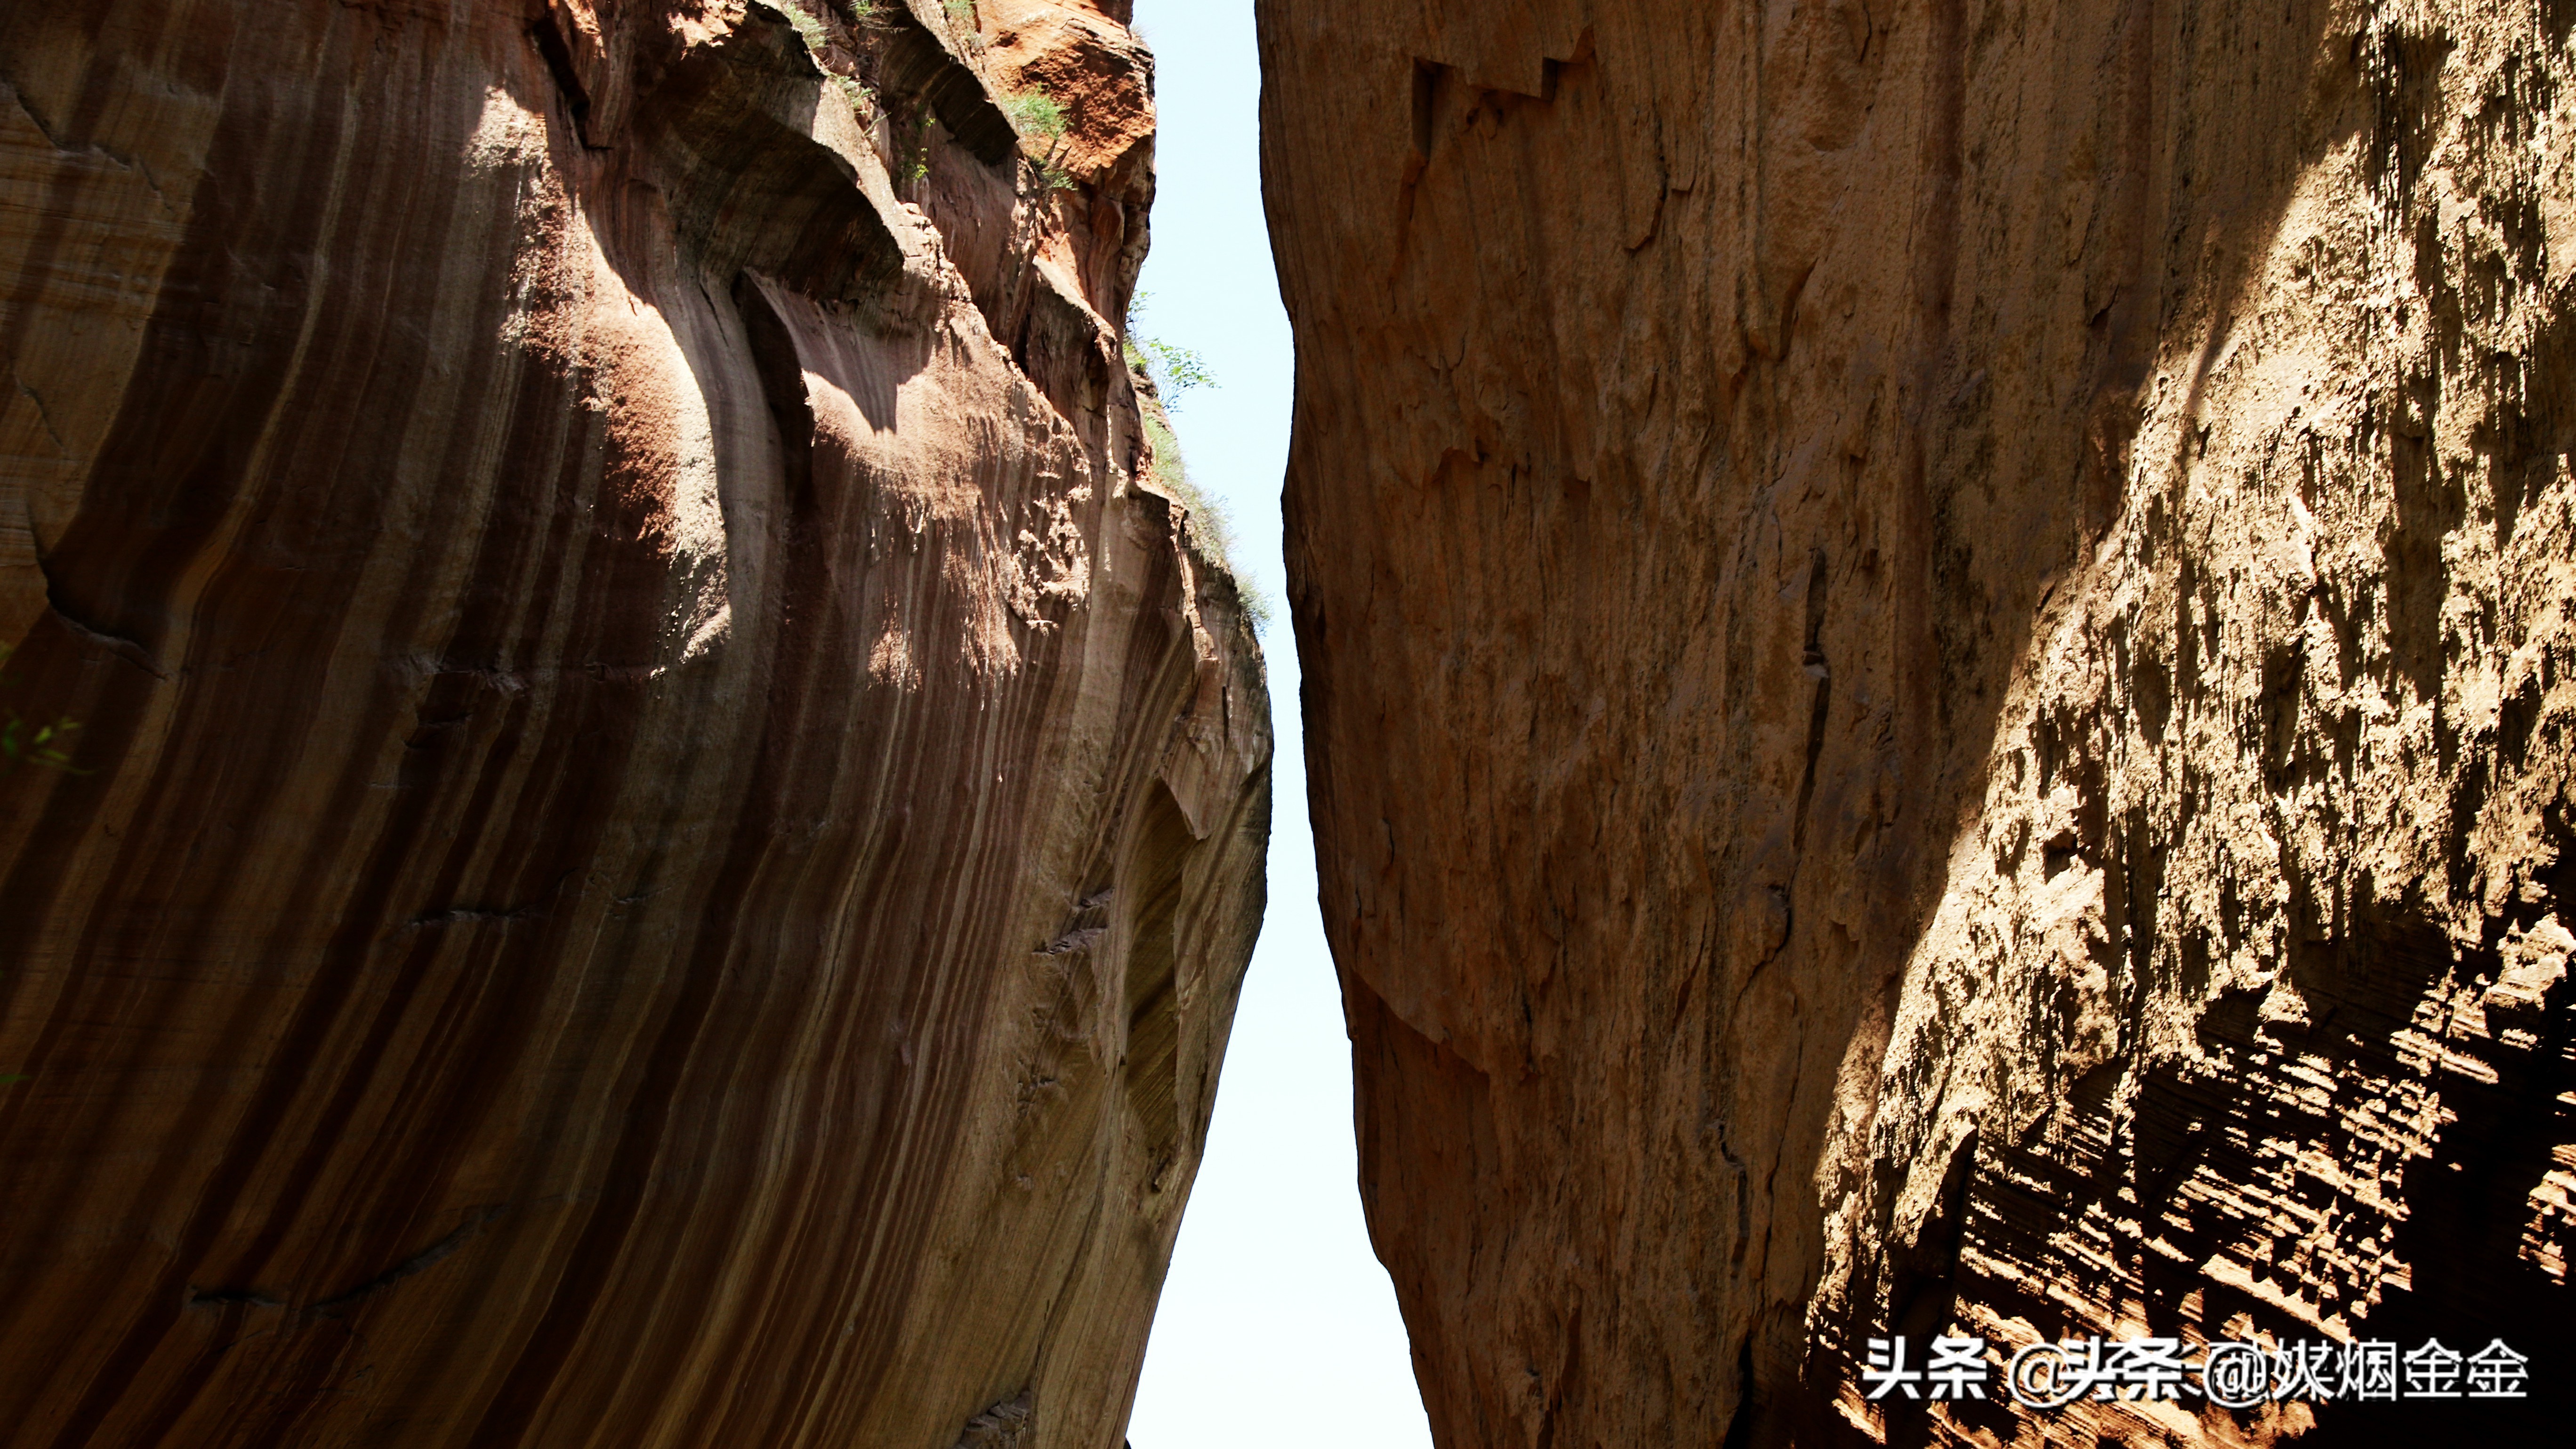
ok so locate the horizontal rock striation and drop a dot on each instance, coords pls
(669, 826)
(1938, 679)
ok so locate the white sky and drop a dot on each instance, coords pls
(1277, 1326)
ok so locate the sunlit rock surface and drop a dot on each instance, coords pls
(1937, 648)
(671, 828)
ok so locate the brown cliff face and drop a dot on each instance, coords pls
(673, 830)
(1938, 672)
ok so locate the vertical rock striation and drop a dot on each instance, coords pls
(672, 826)
(1938, 672)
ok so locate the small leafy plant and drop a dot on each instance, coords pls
(1174, 368)
(817, 39)
(39, 745)
(1035, 113)
(805, 23)
(34, 744)
(913, 161)
(1178, 368)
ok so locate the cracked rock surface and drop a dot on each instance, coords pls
(671, 824)
(1940, 645)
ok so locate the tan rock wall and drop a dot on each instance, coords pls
(1935, 641)
(672, 830)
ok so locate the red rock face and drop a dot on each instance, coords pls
(671, 829)
(1937, 690)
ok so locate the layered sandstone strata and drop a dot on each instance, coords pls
(1938, 659)
(672, 825)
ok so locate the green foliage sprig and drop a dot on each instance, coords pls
(40, 745)
(816, 38)
(1178, 368)
(1035, 113)
(36, 745)
(1174, 368)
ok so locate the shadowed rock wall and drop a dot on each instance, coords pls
(1937, 666)
(672, 829)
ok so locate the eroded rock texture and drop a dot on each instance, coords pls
(1938, 648)
(673, 832)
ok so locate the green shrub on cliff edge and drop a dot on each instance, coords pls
(1035, 113)
(1177, 368)
(1174, 368)
(1210, 530)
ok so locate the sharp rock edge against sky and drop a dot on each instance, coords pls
(1277, 1327)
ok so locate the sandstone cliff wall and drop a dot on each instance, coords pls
(673, 827)
(1937, 642)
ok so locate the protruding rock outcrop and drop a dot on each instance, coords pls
(1939, 673)
(672, 827)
